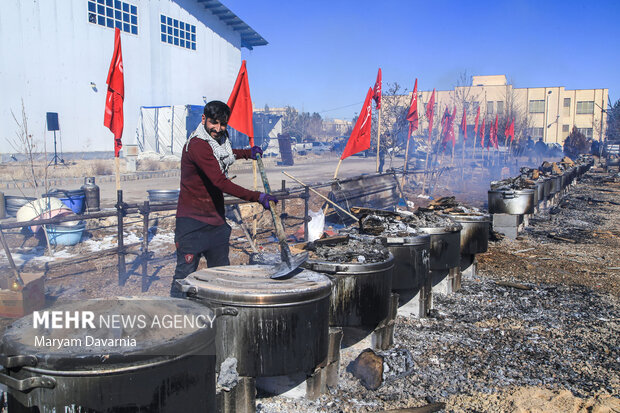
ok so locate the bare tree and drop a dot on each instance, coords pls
(394, 125)
(24, 143)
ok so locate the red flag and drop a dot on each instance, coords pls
(113, 116)
(494, 129)
(447, 124)
(412, 115)
(451, 127)
(240, 104)
(360, 137)
(376, 91)
(510, 130)
(476, 127)
(430, 110)
(445, 120)
(464, 124)
(483, 132)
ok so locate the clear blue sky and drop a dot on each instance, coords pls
(325, 54)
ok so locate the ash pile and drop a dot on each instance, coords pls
(351, 248)
(528, 176)
(488, 337)
(449, 205)
(401, 224)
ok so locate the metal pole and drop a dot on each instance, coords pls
(283, 214)
(306, 211)
(10, 259)
(121, 249)
(378, 138)
(145, 245)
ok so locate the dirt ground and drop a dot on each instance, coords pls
(552, 347)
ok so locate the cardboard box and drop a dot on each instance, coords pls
(31, 297)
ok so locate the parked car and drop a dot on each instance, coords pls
(319, 148)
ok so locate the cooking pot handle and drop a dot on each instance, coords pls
(325, 269)
(17, 361)
(508, 195)
(186, 287)
(46, 382)
(219, 311)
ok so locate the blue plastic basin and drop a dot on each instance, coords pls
(73, 199)
(65, 234)
(76, 203)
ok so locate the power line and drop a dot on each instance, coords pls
(341, 107)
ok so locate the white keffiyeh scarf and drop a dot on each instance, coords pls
(222, 152)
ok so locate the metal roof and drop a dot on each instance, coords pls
(249, 37)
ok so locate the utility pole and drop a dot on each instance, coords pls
(545, 121)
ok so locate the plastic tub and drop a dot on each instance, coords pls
(65, 234)
(73, 199)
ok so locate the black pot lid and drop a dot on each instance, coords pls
(162, 329)
(349, 268)
(250, 285)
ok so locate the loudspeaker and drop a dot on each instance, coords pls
(52, 121)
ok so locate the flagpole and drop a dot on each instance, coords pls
(337, 168)
(378, 137)
(425, 168)
(463, 159)
(255, 220)
(405, 163)
(118, 173)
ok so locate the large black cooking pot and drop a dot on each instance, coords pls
(272, 327)
(165, 370)
(514, 202)
(539, 194)
(573, 174)
(445, 249)
(474, 234)
(564, 180)
(360, 293)
(411, 261)
(547, 185)
(556, 184)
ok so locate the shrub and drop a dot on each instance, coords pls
(576, 143)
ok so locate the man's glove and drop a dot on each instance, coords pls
(265, 198)
(256, 150)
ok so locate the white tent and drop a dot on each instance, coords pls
(164, 129)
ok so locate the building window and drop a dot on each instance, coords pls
(178, 33)
(585, 107)
(565, 128)
(587, 132)
(537, 106)
(566, 106)
(490, 108)
(114, 13)
(536, 133)
(500, 108)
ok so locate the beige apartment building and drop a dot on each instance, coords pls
(533, 108)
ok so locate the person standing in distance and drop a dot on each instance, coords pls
(201, 228)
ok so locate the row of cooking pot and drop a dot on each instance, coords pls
(524, 201)
(272, 328)
(278, 327)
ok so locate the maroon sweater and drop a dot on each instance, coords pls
(203, 184)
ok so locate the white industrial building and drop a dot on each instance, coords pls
(55, 55)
